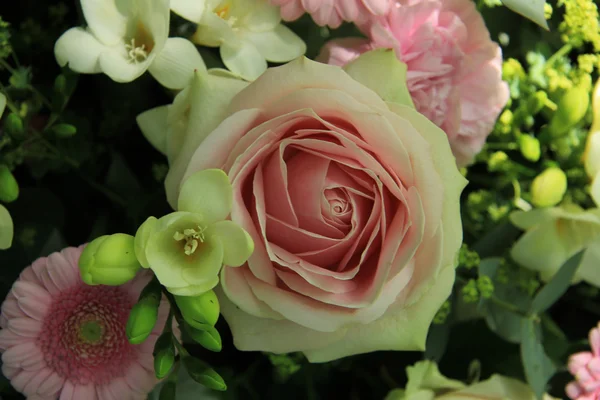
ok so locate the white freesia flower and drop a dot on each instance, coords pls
(124, 38)
(591, 157)
(555, 234)
(248, 32)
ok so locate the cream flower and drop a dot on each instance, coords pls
(591, 157)
(248, 32)
(123, 39)
(555, 234)
(186, 249)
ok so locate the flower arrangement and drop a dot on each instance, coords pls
(248, 199)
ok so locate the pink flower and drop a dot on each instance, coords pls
(333, 12)
(454, 69)
(62, 339)
(585, 366)
(353, 206)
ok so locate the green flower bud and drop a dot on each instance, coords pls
(537, 102)
(109, 260)
(64, 130)
(207, 336)
(199, 310)
(164, 355)
(498, 161)
(14, 126)
(549, 187)
(168, 391)
(530, 147)
(144, 314)
(571, 109)
(485, 286)
(204, 374)
(60, 84)
(470, 292)
(9, 188)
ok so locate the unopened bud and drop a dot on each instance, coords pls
(164, 355)
(9, 188)
(530, 147)
(537, 102)
(204, 374)
(13, 124)
(571, 109)
(144, 314)
(199, 310)
(207, 336)
(549, 187)
(109, 260)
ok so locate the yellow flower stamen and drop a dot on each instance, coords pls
(192, 237)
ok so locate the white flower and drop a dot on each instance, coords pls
(555, 234)
(248, 32)
(124, 38)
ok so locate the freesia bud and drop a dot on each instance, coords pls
(144, 314)
(536, 103)
(202, 373)
(207, 336)
(14, 126)
(9, 188)
(164, 355)
(109, 260)
(549, 187)
(199, 310)
(571, 109)
(530, 147)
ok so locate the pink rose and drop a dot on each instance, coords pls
(333, 12)
(353, 206)
(454, 69)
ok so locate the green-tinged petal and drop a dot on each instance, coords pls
(499, 387)
(141, 240)
(194, 290)
(6, 228)
(2, 103)
(189, 9)
(529, 219)
(278, 45)
(207, 264)
(400, 394)
(175, 65)
(244, 59)
(115, 64)
(530, 9)
(257, 15)
(595, 189)
(80, 50)
(212, 31)
(153, 124)
(541, 249)
(107, 19)
(237, 243)
(592, 153)
(589, 269)
(401, 329)
(208, 193)
(381, 71)
(209, 97)
(426, 375)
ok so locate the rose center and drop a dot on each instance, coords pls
(192, 237)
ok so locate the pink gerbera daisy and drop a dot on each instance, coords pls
(62, 339)
(333, 12)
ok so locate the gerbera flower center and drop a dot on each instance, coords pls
(193, 237)
(84, 334)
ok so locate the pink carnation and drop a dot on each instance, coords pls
(454, 68)
(585, 366)
(333, 12)
(62, 339)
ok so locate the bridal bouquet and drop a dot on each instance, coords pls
(300, 199)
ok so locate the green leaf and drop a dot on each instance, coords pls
(168, 391)
(505, 323)
(538, 366)
(559, 284)
(437, 341)
(530, 9)
(493, 244)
